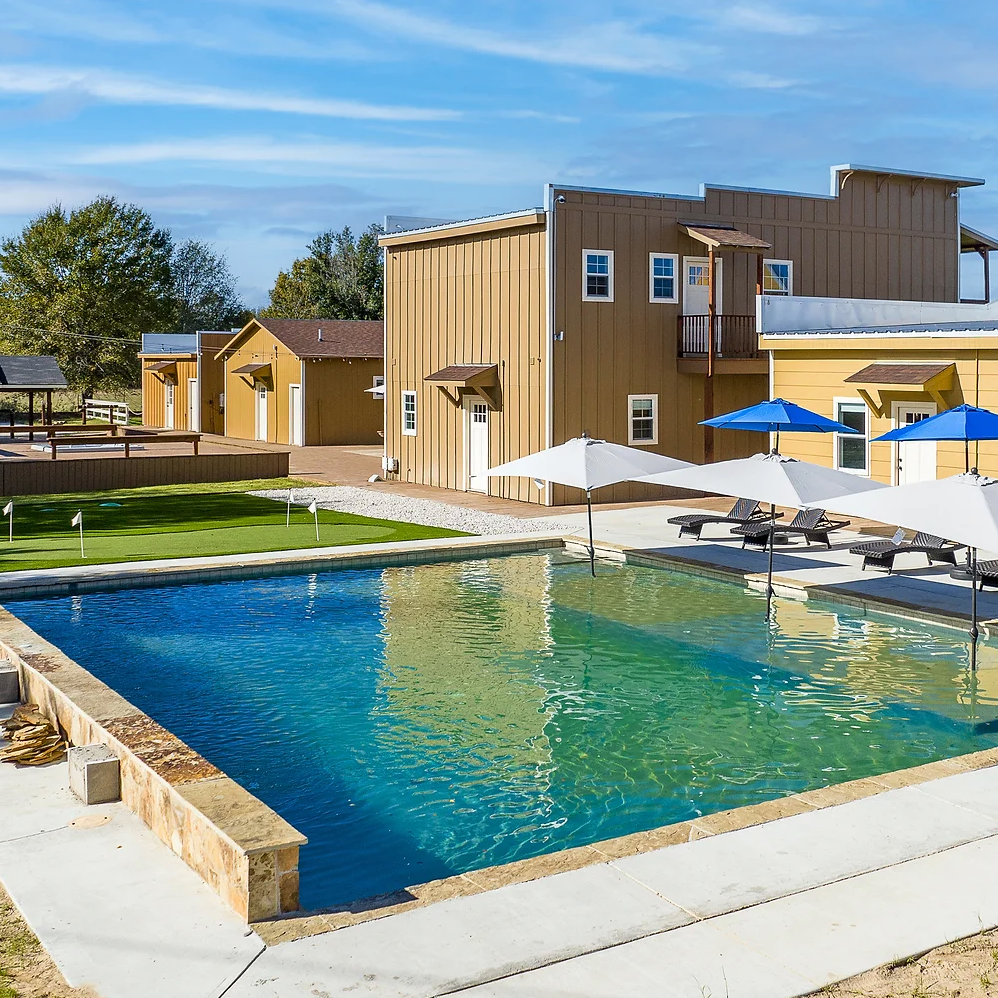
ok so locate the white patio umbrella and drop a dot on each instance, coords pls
(585, 463)
(962, 508)
(771, 478)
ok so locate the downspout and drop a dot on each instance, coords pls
(549, 207)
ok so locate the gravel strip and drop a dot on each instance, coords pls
(390, 506)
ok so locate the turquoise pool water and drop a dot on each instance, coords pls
(420, 722)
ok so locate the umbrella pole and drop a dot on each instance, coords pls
(592, 548)
(966, 455)
(769, 578)
(973, 611)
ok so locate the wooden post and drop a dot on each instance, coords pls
(708, 381)
(758, 274)
(31, 413)
(48, 402)
(986, 257)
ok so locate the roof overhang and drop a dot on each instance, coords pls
(468, 379)
(888, 379)
(254, 372)
(972, 241)
(165, 370)
(725, 237)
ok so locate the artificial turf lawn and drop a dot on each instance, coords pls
(179, 522)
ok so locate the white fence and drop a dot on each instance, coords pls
(106, 411)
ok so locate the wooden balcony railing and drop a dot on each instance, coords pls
(734, 336)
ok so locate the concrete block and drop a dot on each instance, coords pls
(9, 685)
(94, 774)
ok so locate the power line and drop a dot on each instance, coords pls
(63, 332)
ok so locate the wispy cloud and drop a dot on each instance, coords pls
(316, 157)
(615, 46)
(122, 89)
(772, 20)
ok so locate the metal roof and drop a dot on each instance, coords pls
(30, 374)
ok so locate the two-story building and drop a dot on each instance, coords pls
(631, 316)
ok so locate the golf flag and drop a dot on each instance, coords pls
(8, 510)
(78, 522)
(314, 510)
(290, 500)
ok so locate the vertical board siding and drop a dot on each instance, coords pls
(154, 393)
(466, 300)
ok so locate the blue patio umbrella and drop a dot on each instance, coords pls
(965, 422)
(771, 417)
(776, 415)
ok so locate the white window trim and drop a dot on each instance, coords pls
(415, 414)
(609, 255)
(654, 420)
(835, 436)
(379, 381)
(674, 257)
(790, 278)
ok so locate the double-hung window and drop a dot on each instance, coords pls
(777, 277)
(409, 414)
(597, 275)
(663, 285)
(852, 451)
(642, 419)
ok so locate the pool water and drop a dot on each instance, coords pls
(420, 722)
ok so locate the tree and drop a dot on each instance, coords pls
(203, 289)
(83, 286)
(341, 278)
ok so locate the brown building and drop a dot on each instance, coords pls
(508, 334)
(305, 381)
(182, 383)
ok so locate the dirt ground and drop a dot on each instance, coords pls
(26, 970)
(967, 968)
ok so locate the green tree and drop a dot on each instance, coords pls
(341, 278)
(204, 289)
(83, 286)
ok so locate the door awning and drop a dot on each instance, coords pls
(162, 365)
(933, 379)
(465, 379)
(260, 372)
(726, 237)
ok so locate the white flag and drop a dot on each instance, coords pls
(78, 519)
(313, 508)
(9, 508)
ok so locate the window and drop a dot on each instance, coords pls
(851, 449)
(642, 414)
(379, 381)
(662, 277)
(409, 414)
(597, 275)
(777, 277)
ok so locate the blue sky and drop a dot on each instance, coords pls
(257, 123)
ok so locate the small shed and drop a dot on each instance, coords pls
(32, 376)
(305, 381)
(183, 385)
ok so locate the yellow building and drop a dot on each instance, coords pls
(305, 381)
(878, 365)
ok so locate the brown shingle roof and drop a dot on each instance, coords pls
(897, 374)
(461, 373)
(340, 337)
(726, 237)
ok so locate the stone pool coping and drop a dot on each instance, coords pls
(244, 850)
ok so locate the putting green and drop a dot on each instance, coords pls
(149, 524)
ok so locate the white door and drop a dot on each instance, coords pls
(193, 405)
(478, 446)
(261, 412)
(695, 289)
(169, 390)
(915, 460)
(296, 437)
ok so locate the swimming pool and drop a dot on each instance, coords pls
(420, 722)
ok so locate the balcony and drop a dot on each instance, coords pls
(736, 345)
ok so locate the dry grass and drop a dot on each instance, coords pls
(964, 969)
(26, 970)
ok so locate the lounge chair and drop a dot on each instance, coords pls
(881, 554)
(743, 511)
(811, 524)
(987, 573)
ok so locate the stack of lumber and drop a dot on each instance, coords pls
(33, 738)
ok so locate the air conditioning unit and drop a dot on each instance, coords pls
(390, 464)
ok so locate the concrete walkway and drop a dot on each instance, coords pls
(774, 910)
(113, 906)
